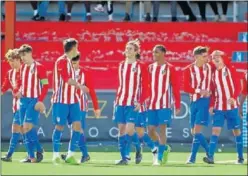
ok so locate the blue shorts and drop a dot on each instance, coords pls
(83, 119)
(66, 113)
(141, 120)
(125, 114)
(16, 118)
(27, 112)
(199, 114)
(231, 116)
(159, 117)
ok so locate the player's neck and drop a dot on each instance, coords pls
(17, 69)
(130, 60)
(30, 63)
(161, 62)
(220, 67)
(199, 63)
(69, 55)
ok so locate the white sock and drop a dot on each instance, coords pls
(70, 153)
(55, 154)
(69, 14)
(110, 17)
(88, 14)
(35, 12)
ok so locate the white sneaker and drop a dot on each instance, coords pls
(155, 155)
(155, 163)
(223, 18)
(217, 18)
(99, 8)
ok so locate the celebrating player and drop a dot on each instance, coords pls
(163, 81)
(32, 88)
(10, 81)
(66, 107)
(84, 78)
(224, 105)
(132, 78)
(197, 80)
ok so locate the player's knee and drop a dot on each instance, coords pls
(140, 132)
(76, 126)
(59, 128)
(236, 132)
(16, 128)
(27, 127)
(197, 129)
(216, 131)
(151, 131)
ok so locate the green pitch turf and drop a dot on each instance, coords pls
(103, 164)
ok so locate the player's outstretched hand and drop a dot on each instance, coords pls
(97, 113)
(85, 89)
(178, 111)
(205, 93)
(211, 110)
(39, 106)
(231, 101)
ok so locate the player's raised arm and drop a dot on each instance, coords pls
(174, 79)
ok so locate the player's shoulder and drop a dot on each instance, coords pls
(188, 67)
(10, 71)
(62, 59)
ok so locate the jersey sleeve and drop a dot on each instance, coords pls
(62, 69)
(89, 83)
(244, 84)
(42, 74)
(174, 79)
(144, 84)
(187, 83)
(236, 82)
(213, 94)
(6, 84)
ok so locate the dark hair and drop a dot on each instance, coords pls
(161, 48)
(76, 58)
(69, 44)
(200, 50)
(25, 49)
(12, 54)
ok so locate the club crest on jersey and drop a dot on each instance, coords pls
(134, 70)
(163, 72)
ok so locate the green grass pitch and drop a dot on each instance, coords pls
(103, 163)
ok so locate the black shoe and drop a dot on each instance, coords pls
(39, 156)
(138, 157)
(122, 162)
(3, 17)
(42, 18)
(204, 19)
(36, 17)
(26, 160)
(192, 18)
(127, 17)
(63, 156)
(208, 160)
(62, 17)
(68, 18)
(240, 161)
(174, 19)
(85, 159)
(6, 158)
(155, 19)
(148, 17)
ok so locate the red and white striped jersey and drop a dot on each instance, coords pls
(162, 81)
(10, 82)
(143, 107)
(132, 78)
(196, 79)
(62, 91)
(244, 88)
(225, 85)
(30, 79)
(84, 78)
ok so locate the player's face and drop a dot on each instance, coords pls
(217, 61)
(130, 51)
(204, 57)
(75, 64)
(157, 54)
(74, 51)
(26, 57)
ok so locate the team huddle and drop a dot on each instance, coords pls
(146, 99)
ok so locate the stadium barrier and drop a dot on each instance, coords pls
(104, 129)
